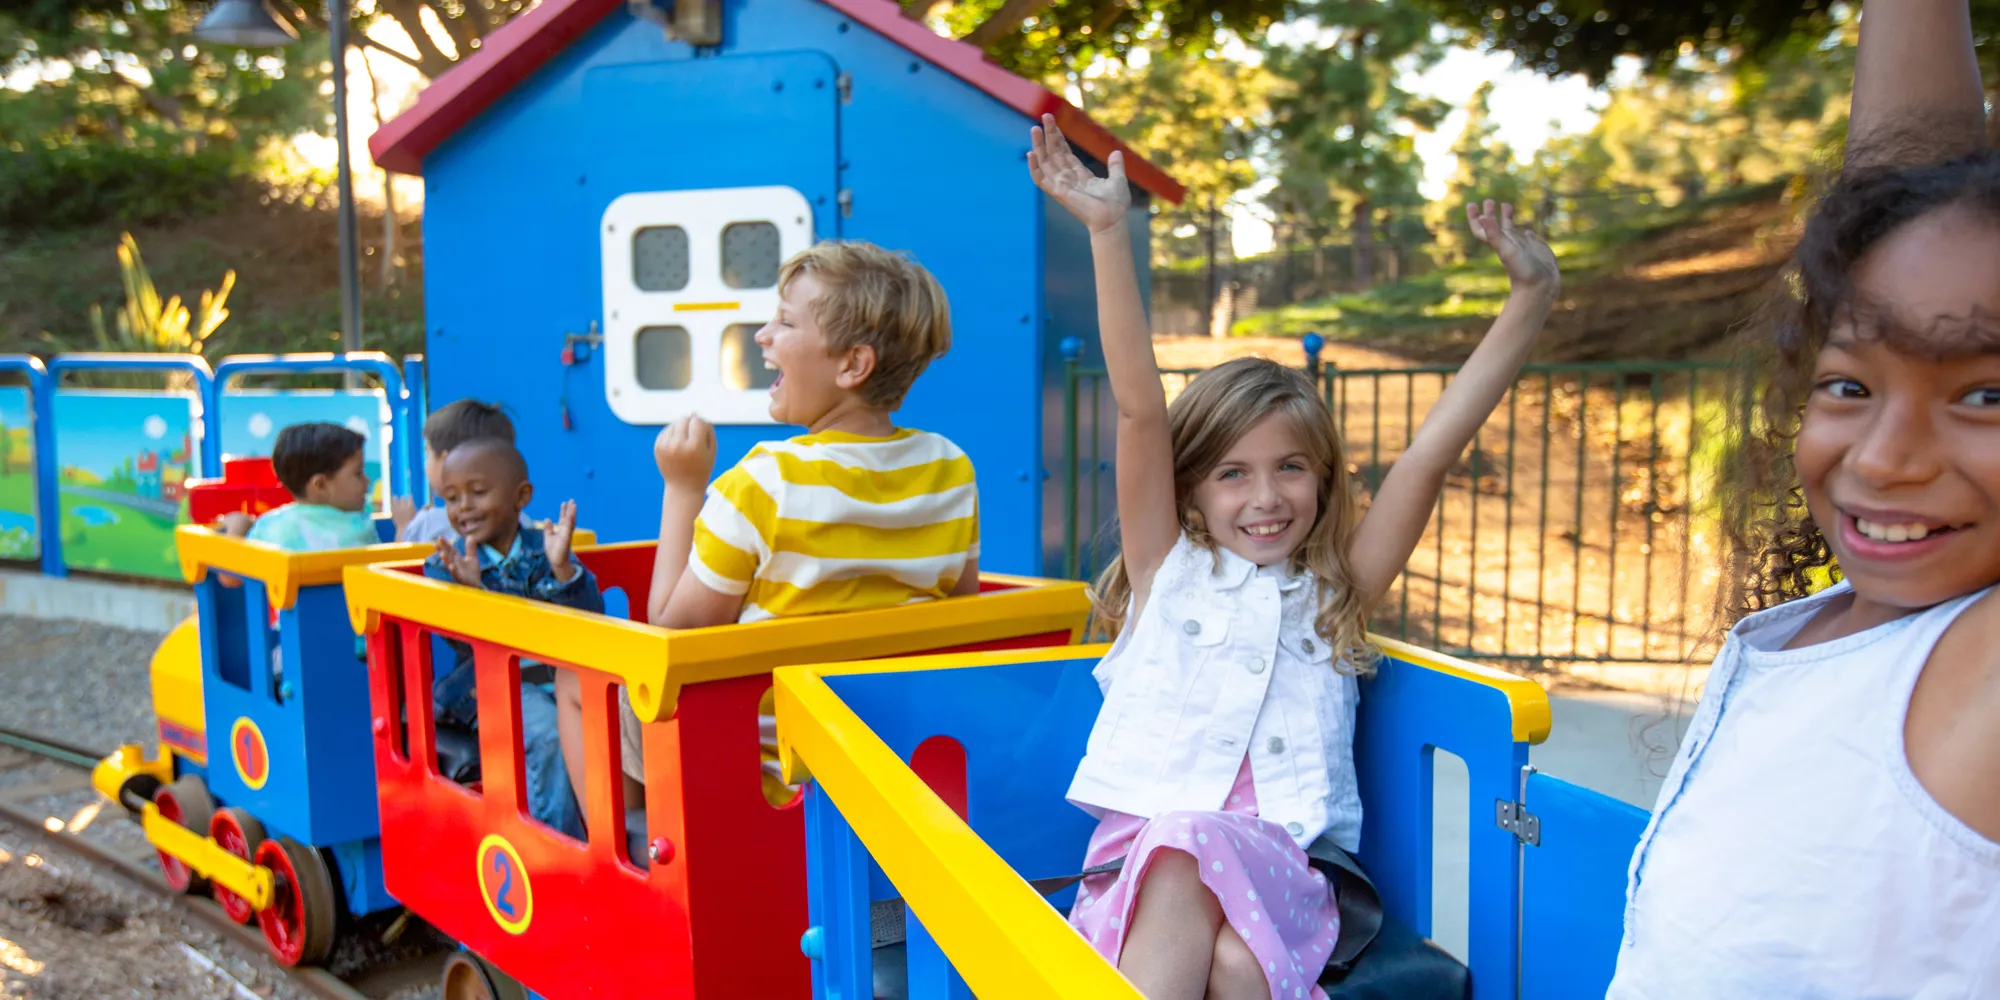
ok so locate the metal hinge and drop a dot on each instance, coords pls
(1515, 818)
(843, 84)
(846, 200)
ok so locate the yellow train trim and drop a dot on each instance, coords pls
(281, 572)
(252, 882)
(1527, 703)
(125, 763)
(175, 673)
(655, 663)
(1004, 939)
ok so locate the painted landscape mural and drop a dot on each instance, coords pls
(125, 458)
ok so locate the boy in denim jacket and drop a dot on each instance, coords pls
(484, 485)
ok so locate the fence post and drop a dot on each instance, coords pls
(1313, 343)
(1072, 350)
(416, 393)
(42, 438)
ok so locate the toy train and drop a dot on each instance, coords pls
(932, 777)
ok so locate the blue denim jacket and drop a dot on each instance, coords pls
(523, 572)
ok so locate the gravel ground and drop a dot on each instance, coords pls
(80, 683)
(70, 933)
(88, 685)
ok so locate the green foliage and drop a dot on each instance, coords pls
(80, 183)
(1470, 294)
(1054, 39)
(1706, 123)
(147, 325)
(1342, 125)
(1486, 170)
(1196, 114)
(115, 114)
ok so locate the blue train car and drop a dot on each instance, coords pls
(606, 207)
(264, 792)
(937, 791)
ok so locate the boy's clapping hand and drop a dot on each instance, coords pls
(464, 566)
(556, 540)
(685, 453)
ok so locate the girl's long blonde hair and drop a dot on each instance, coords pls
(1205, 421)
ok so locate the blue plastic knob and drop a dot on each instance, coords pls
(1071, 348)
(1313, 344)
(812, 943)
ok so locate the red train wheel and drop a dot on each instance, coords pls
(187, 803)
(299, 923)
(239, 833)
(469, 977)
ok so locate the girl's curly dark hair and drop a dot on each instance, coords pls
(1787, 556)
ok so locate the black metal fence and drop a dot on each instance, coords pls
(1581, 525)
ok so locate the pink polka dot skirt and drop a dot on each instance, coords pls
(1279, 905)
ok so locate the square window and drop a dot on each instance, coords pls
(743, 361)
(664, 357)
(660, 259)
(750, 255)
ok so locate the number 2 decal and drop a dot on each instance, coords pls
(503, 867)
(504, 885)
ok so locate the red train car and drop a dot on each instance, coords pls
(715, 904)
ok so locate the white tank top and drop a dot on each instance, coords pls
(1792, 852)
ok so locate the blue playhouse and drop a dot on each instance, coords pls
(651, 187)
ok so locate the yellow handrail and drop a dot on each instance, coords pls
(1004, 939)
(655, 663)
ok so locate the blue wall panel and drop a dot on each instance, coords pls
(934, 166)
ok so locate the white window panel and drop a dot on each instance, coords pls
(688, 277)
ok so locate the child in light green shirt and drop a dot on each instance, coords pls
(321, 464)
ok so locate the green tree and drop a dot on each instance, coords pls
(1343, 124)
(1200, 116)
(114, 111)
(1057, 39)
(1486, 169)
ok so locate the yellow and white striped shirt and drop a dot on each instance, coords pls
(839, 522)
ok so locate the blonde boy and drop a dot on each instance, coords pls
(856, 513)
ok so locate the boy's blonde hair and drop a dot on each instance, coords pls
(1215, 410)
(880, 298)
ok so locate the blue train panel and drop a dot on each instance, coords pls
(287, 712)
(1573, 910)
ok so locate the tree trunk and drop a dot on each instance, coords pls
(1287, 235)
(1211, 286)
(390, 225)
(1993, 120)
(1363, 246)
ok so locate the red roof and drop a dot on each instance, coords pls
(521, 46)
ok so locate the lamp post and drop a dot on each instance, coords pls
(251, 24)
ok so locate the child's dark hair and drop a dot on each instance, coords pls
(303, 451)
(1788, 556)
(465, 420)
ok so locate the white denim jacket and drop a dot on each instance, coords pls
(1223, 661)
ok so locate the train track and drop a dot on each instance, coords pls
(388, 980)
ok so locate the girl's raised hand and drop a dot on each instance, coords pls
(1099, 202)
(1531, 265)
